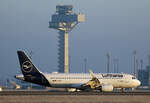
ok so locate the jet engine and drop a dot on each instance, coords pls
(106, 88)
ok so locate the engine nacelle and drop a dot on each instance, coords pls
(107, 88)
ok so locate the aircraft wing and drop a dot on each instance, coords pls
(94, 83)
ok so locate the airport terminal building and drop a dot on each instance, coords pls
(144, 76)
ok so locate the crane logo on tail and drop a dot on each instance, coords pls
(27, 66)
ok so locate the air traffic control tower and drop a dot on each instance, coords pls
(64, 20)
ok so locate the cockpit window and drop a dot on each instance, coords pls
(133, 77)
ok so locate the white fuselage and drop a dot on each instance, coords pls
(69, 80)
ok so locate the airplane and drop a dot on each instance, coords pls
(104, 82)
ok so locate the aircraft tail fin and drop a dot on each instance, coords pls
(30, 72)
(26, 65)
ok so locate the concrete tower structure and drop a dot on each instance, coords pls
(64, 20)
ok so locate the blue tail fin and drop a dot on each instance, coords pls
(26, 65)
(30, 72)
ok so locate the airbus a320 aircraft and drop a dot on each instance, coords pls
(79, 81)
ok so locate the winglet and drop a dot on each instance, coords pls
(92, 74)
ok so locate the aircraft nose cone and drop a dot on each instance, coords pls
(138, 83)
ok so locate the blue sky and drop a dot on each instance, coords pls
(115, 26)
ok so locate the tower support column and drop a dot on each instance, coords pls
(66, 52)
(63, 52)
